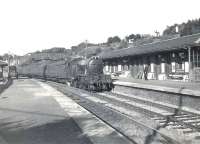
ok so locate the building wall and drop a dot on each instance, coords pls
(172, 65)
(160, 66)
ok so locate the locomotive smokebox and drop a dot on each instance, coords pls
(95, 66)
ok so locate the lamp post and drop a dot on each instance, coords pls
(86, 42)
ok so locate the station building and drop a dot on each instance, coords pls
(173, 59)
(3, 66)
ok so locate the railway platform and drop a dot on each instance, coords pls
(32, 112)
(186, 88)
(179, 95)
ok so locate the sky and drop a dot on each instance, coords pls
(31, 25)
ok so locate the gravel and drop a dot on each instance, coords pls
(131, 127)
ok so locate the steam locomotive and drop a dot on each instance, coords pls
(79, 72)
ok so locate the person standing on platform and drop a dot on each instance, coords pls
(145, 72)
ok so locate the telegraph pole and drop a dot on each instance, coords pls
(86, 55)
(157, 33)
(86, 42)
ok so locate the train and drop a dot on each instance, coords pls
(77, 72)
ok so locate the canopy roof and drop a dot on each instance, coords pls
(161, 46)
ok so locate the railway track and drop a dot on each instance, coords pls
(115, 108)
(169, 116)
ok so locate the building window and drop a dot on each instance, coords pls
(173, 67)
(179, 66)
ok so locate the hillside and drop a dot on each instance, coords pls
(86, 49)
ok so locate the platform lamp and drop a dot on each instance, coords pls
(86, 48)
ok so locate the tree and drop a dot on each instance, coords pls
(109, 40)
(133, 37)
(114, 39)
(138, 36)
(188, 28)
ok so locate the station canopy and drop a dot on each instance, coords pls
(155, 47)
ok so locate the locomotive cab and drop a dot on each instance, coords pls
(95, 66)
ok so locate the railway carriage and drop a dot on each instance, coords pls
(78, 72)
(55, 71)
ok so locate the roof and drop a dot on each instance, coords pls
(161, 46)
(3, 63)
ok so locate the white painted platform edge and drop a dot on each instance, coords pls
(96, 130)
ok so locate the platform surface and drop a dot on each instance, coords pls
(32, 112)
(188, 88)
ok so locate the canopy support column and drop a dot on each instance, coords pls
(190, 64)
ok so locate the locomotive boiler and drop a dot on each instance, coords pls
(88, 74)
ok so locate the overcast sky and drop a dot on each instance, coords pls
(30, 25)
